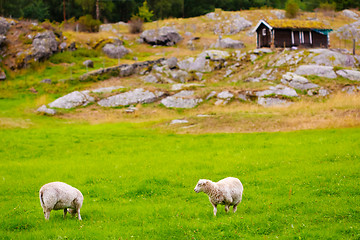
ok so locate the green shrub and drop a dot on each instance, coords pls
(135, 24)
(291, 9)
(89, 23)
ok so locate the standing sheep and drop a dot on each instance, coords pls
(59, 195)
(226, 192)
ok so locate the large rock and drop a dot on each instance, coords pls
(72, 100)
(171, 62)
(214, 55)
(239, 24)
(4, 26)
(46, 110)
(115, 51)
(297, 82)
(183, 99)
(321, 71)
(278, 90)
(271, 102)
(136, 96)
(229, 43)
(349, 74)
(331, 58)
(233, 26)
(350, 14)
(43, 46)
(88, 63)
(165, 36)
(107, 89)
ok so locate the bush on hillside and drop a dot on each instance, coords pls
(136, 24)
(89, 24)
(291, 9)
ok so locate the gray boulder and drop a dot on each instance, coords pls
(43, 46)
(350, 14)
(271, 102)
(351, 89)
(45, 110)
(171, 62)
(321, 71)
(72, 100)
(107, 89)
(115, 51)
(331, 58)
(239, 24)
(214, 55)
(179, 121)
(278, 90)
(225, 95)
(183, 99)
(229, 43)
(349, 74)
(136, 96)
(165, 36)
(150, 79)
(297, 82)
(4, 26)
(88, 63)
(46, 80)
(180, 75)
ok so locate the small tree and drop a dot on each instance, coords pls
(291, 9)
(136, 24)
(145, 13)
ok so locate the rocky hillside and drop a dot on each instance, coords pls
(179, 64)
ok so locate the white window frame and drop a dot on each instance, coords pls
(264, 31)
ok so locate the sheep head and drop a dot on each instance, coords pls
(200, 186)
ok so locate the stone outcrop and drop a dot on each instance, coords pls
(123, 70)
(88, 63)
(165, 36)
(183, 99)
(135, 96)
(72, 100)
(4, 26)
(297, 82)
(115, 51)
(349, 74)
(279, 90)
(45, 110)
(271, 102)
(321, 71)
(43, 46)
(229, 43)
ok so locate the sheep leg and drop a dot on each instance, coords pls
(227, 208)
(235, 208)
(65, 212)
(78, 213)
(215, 208)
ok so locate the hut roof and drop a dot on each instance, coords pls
(296, 24)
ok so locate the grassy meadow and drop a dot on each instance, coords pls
(138, 183)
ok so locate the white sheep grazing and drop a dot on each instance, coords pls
(59, 195)
(226, 192)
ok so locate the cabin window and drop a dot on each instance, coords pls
(264, 31)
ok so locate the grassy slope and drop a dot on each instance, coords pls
(139, 183)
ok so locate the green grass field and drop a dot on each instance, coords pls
(138, 184)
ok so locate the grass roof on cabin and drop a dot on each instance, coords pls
(297, 24)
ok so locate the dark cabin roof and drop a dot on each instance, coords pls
(292, 24)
